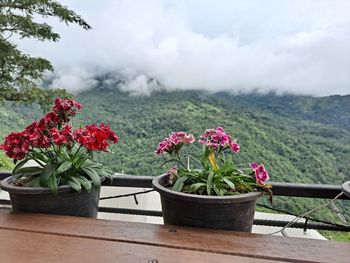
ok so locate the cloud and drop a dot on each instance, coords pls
(299, 47)
(74, 79)
(140, 85)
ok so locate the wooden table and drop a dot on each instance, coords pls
(46, 238)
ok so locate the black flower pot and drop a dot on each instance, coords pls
(42, 200)
(217, 212)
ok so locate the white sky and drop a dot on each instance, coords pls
(299, 47)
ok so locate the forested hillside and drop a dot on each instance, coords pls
(299, 139)
(294, 148)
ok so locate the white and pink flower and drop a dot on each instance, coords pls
(261, 174)
(218, 137)
(169, 144)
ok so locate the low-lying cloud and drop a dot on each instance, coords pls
(298, 47)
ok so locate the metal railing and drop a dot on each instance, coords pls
(322, 191)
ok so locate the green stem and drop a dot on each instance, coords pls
(194, 159)
(179, 161)
(54, 149)
(77, 151)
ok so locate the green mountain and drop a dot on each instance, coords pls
(295, 148)
(312, 146)
(299, 139)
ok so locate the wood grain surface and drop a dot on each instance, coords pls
(142, 242)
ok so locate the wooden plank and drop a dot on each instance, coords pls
(222, 242)
(29, 247)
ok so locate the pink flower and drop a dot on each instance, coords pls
(221, 137)
(175, 140)
(172, 173)
(163, 146)
(234, 146)
(218, 137)
(253, 165)
(207, 133)
(182, 137)
(261, 174)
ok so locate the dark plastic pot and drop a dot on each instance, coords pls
(42, 200)
(218, 212)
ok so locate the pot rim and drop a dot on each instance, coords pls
(188, 197)
(7, 185)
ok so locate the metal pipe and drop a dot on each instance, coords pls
(325, 191)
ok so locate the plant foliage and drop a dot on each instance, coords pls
(216, 172)
(20, 72)
(63, 154)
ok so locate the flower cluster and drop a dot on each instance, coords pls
(60, 149)
(218, 138)
(95, 137)
(218, 173)
(63, 136)
(174, 142)
(66, 108)
(54, 129)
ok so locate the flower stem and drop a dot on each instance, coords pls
(179, 160)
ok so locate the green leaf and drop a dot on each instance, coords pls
(229, 183)
(179, 183)
(90, 164)
(64, 167)
(52, 184)
(196, 186)
(28, 171)
(18, 166)
(95, 178)
(104, 174)
(87, 163)
(210, 182)
(47, 172)
(219, 191)
(74, 183)
(63, 153)
(84, 182)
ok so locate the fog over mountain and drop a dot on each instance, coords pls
(291, 46)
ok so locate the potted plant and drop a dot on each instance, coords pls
(216, 193)
(65, 179)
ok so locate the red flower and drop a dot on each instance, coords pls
(66, 105)
(51, 119)
(111, 135)
(62, 136)
(36, 135)
(16, 145)
(95, 137)
(54, 129)
(66, 108)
